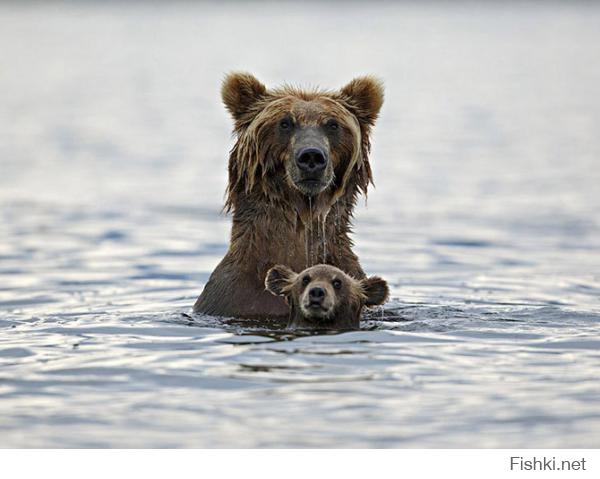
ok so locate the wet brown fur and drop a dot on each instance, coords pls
(273, 222)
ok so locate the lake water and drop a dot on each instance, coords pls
(485, 220)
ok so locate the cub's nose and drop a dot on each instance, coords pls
(311, 160)
(316, 294)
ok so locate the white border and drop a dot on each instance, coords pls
(285, 464)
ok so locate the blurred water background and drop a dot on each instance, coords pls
(485, 220)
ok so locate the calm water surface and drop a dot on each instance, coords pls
(485, 221)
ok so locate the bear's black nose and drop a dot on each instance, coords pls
(316, 294)
(311, 160)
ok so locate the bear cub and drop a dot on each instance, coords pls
(324, 297)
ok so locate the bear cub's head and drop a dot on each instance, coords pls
(324, 297)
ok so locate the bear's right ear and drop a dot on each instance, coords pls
(278, 277)
(240, 92)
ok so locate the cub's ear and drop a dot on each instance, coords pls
(240, 91)
(376, 290)
(364, 97)
(278, 277)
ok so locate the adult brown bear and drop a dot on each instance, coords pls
(298, 165)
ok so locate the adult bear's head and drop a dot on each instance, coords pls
(299, 143)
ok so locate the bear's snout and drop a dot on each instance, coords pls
(317, 301)
(311, 161)
(310, 168)
(316, 295)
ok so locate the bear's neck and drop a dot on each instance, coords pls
(298, 233)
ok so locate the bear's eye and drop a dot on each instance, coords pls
(337, 284)
(285, 124)
(305, 280)
(333, 125)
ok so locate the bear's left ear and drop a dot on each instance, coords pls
(240, 92)
(278, 277)
(375, 289)
(364, 97)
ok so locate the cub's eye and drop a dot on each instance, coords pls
(333, 125)
(337, 284)
(305, 280)
(285, 124)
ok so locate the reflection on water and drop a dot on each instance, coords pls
(485, 223)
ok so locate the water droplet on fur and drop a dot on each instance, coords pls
(308, 236)
(337, 223)
(324, 236)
